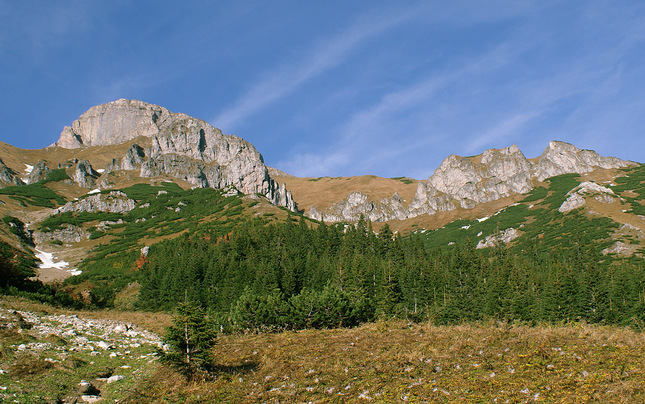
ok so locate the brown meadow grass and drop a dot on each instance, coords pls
(394, 361)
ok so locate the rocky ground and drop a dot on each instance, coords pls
(68, 359)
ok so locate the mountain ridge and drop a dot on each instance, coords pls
(121, 144)
(172, 144)
(157, 143)
(465, 182)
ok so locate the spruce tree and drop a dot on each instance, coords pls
(189, 340)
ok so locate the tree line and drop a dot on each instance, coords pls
(292, 275)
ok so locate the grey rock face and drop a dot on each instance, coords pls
(69, 234)
(113, 202)
(180, 146)
(357, 204)
(495, 240)
(467, 182)
(39, 172)
(195, 172)
(281, 196)
(113, 123)
(85, 176)
(133, 158)
(576, 196)
(564, 158)
(8, 177)
(500, 173)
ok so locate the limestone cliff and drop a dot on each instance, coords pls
(8, 177)
(468, 181)
(172, 144)
(38, 172)
(112, 202)
(563, 158)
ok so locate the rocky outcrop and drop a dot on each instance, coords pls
(84, 175)
(133, 159)
(280, 196)
(621, 249)
(576, 196)
(8, 177)
(564, 158)
(112, 202)
(38, 172)
(500, 173)
(357, 204)
(178, 146)
(468, 181)
(68, 235)
(495, 240)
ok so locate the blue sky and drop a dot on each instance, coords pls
(338, 88)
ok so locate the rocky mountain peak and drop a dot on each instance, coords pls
(113, 123)
(562, 158)
(494, 174)
(468, 181)
(175, 145)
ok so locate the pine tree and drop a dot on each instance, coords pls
(189, 338)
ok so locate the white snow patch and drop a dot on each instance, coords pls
(483, 219)
(100, 170)
(466, 227)
(94, 191)
(29, 168)
(48, 262)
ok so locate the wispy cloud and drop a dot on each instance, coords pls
(287, 78)
(501, 131)
(377, 132)
(316, 164)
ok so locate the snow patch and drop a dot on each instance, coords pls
(94, 191)
(48, 262)
(100, 170)
(466, 227)
(482, 219)
(29, 169)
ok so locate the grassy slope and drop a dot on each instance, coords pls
(382, 362)
(325, 191)
(537, 218)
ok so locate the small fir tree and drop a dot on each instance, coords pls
(190, 338)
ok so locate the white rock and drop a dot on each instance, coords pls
(493, 240)
(103, 345)
(114, 378)
(574, 201)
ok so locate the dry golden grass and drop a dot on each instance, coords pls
(98, 156)
(397, 362)
(326, 191)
